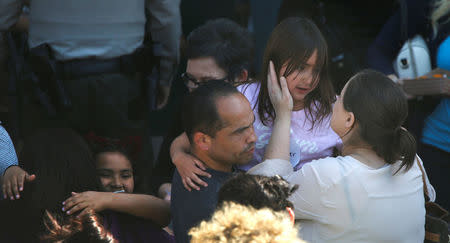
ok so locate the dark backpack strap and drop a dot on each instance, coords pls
(425, 189)
(403, 19)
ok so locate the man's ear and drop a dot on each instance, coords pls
(243, 76)
(202, 141)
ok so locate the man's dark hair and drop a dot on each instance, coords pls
(229, 44)
(200, 112)
(257, 191)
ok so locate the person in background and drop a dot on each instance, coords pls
(13, 177)
(429, 120)
(220, 49)
(238, 223)
(299, 52)
(130, 216)
(62, 163)
(99, 46)
(372, 193)
(218, 121)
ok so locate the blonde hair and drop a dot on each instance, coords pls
(235, 223)
(440, 9)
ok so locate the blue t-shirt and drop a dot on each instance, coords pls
(188, 209)
(436, 131)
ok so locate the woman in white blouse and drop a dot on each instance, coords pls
(374, 191)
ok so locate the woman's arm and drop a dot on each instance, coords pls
(278, 147)
(187, 165)
(139, 205)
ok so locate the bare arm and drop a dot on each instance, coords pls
(179, 145)
(278, 147)
(187, 165)
(139, 205)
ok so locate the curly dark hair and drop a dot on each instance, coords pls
(257, 191)
(228, 43)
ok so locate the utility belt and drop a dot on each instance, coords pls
(48, 74)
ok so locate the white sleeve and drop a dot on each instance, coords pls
(272, 167)
(307, 199)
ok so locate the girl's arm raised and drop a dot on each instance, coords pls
(278, 147)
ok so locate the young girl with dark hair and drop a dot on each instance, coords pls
(374, 191)
(298, 52)
(130, 217)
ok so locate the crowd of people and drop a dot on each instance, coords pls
(290, 153)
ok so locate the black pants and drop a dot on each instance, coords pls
(437, 165)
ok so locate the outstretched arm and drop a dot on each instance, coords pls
(139, 205)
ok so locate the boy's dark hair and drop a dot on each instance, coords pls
(229, 44)
(257, 191)
(380, 108)
(200, 109)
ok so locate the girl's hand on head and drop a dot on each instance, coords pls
(190, 169)
(83, 202)
(278, 92)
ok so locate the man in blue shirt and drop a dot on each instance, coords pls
(218, 121)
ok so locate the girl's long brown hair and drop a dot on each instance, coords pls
(293, 41)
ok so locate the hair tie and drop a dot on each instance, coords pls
(398, 130)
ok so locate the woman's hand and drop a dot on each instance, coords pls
(278, 92)
(190, 168)
(86, 201)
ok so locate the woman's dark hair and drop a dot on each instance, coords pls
(294, 41)
(380, 108)
(85, 229)
(257, 191)
(62, 163)
(229, 44)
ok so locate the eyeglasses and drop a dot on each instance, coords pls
(193, 83)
